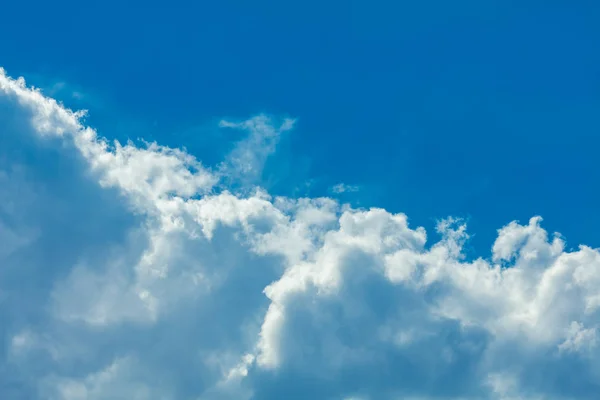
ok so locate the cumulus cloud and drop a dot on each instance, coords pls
(137, 272)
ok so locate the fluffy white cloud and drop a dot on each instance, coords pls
(137, 272)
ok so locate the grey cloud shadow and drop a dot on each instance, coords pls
(68, 216)
(382, 370)
(174, 351)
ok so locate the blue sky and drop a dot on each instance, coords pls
(482, 111)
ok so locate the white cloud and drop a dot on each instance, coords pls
(247, 159)
(579, 338)
(142, 276)
(344, 188)
(120, 380)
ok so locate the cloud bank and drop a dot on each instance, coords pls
(136, 272)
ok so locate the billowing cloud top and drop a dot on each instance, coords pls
(136, 272)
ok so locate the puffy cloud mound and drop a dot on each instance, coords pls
(136, 272)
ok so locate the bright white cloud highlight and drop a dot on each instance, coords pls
(146, 277)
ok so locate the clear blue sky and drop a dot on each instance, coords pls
(483, 110)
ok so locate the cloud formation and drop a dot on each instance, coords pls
(344, 188)
(137, 272)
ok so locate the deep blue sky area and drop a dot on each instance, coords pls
(488, 110)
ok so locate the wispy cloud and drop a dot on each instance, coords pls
(344, 188)
(246, 161)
